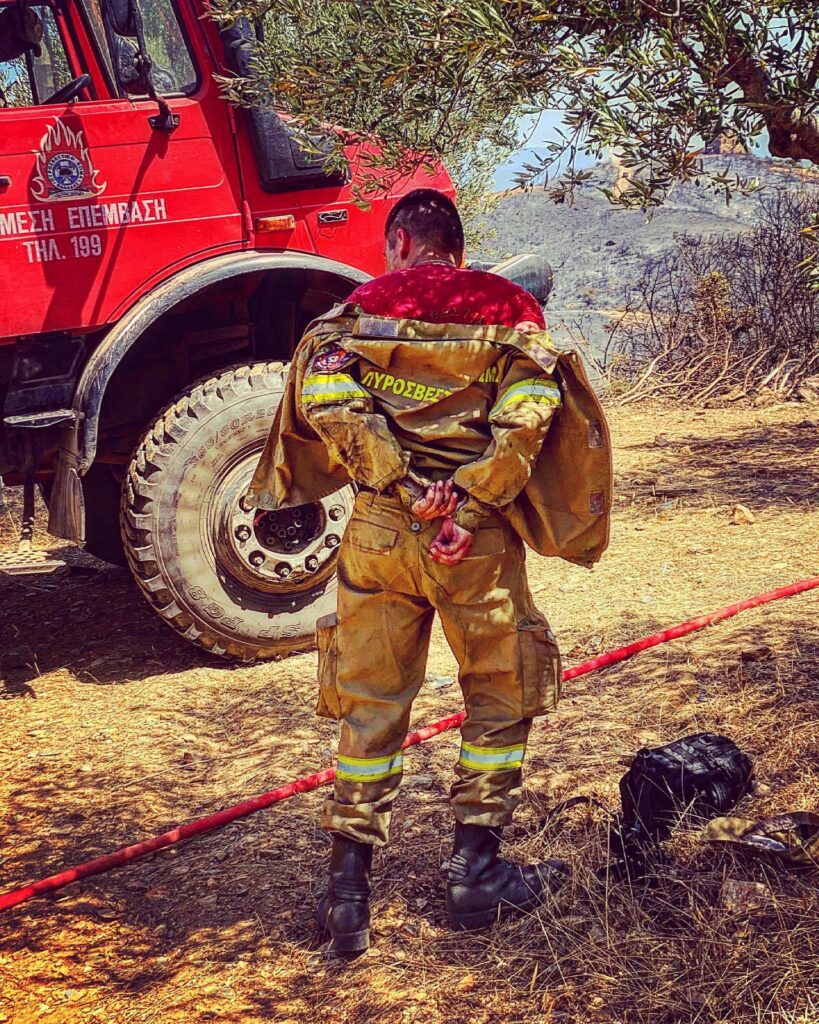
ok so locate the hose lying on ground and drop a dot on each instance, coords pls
(321, 778)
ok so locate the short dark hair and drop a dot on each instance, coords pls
(429, 216)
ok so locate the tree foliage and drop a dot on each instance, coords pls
(655, 81)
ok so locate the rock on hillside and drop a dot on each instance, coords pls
(597, 249)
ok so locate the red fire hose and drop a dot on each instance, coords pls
(309, 782)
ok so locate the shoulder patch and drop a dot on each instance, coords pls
(331, 359)
(539, 347)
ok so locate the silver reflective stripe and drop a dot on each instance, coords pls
(532, 390)
(492, 759)
(369, 769)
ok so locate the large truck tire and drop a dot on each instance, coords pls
(240, 582)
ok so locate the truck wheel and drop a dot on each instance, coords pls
(240, 582)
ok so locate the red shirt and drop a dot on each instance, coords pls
(442, 294)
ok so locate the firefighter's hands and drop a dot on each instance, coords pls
(451, 544)
(438, 501)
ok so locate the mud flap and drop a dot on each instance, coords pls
(66, 505)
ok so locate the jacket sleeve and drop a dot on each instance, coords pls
(527, 399)
(341, 412)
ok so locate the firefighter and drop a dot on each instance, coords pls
(440, 426)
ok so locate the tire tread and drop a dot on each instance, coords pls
(169, 430)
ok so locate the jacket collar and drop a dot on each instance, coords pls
(383, 341)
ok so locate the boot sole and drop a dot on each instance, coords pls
(355, 942)
(348, 945)
(477, 920)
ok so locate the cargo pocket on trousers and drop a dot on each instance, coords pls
(370, 536)
(541, 668)
(328, 705)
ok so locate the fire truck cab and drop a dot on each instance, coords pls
(162, 252)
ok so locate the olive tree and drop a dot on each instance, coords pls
(654, 80)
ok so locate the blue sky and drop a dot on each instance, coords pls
(542, 129)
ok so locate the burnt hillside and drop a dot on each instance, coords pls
(598, 250)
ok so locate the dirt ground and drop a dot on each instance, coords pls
(114, 729)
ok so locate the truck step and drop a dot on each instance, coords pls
(28, 563)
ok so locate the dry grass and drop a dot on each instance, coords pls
(113, 729)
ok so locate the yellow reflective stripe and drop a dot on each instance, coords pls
(492, 759)
(369, 769)
(332, 396)
(542, 392)
(491, 750)
(518, 399)
(534, 386)
(342, 773)
(329, 378)
(331, 387)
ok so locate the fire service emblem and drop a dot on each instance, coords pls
(332, 358)
(63, 167)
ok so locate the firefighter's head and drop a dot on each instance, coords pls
(424, 224)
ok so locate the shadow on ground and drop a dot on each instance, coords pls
(239, 903)
(89, 618)
(764, 467)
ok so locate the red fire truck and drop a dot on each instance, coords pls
(161, 253)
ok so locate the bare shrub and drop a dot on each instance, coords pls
(727, 317)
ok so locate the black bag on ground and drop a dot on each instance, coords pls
(703, 776)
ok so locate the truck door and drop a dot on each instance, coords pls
(96, 204)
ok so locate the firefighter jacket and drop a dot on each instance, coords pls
(511, 419)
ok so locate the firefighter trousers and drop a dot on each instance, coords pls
(373, 653)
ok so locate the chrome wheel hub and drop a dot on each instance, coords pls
(286, 549)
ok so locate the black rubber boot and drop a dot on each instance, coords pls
(482, 888)
(344, 910)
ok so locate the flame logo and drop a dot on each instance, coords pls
(63, 168)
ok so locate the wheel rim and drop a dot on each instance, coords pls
(286, 550)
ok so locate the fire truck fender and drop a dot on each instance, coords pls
(78, 445)
(128, 330)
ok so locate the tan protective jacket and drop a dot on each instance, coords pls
(389, 398)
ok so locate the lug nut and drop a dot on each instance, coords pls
(256, 559)
(283, 569)
(242, 532)
(332, 541)
(336, 512)
(311, 563)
